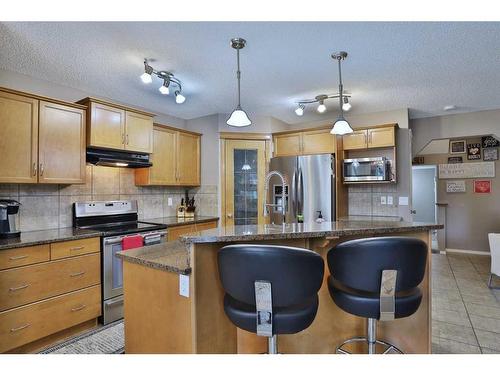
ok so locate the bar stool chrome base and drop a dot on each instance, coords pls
(370, 340)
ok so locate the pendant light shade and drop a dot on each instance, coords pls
(239, 117)
(341, 126)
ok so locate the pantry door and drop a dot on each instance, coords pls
(244, 174)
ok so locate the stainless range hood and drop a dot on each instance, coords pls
(114, 158)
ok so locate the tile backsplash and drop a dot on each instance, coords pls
(50, 206)
(365, 200)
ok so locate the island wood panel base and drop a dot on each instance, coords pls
(158, 320)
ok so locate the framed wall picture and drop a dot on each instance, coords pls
(457, 147)
(490, 154)
(482, 186)
(490, 141)
(474, 151)
(455, 159)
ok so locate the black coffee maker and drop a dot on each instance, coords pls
(9, 208)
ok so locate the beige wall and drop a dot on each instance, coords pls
(469, 216)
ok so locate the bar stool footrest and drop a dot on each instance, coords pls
(388, 347)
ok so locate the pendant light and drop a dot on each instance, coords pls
(238, 117)
(341, 126)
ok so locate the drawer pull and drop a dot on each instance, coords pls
(19, 287)
(19, 257)
(78, 308)
(20, 328)
(77, 274)
(76, 248)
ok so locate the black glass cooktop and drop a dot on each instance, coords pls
(115, 229)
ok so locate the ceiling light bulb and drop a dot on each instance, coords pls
(179, 98)
(321, 107)
(299, 111)
(346, 106)
(164, 88)
(146, 78)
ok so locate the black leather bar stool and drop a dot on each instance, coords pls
(377, 279)
(270, 290)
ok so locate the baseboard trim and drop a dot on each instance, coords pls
(461, 251)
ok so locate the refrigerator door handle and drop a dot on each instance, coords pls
(292, 195)
(300, 193)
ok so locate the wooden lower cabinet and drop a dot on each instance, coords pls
(22, 285)
(177, 231)
(29, 323)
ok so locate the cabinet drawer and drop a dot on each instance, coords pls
(32, 322)
(68, 249)
(19, 286)
(23, 256)
(205, 226)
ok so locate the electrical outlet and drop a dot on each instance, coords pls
(390, 200)
(383, 199)
(170, 202)
(184, 285)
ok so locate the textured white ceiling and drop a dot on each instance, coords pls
(422, 66)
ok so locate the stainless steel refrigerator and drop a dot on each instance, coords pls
(310, 188)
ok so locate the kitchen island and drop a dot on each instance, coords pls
(174, 299)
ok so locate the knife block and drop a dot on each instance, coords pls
(181, 211)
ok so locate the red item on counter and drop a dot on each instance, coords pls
(132, 242)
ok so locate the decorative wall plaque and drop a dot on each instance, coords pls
(457, 147)
(474, 151)
(455, 186)
(482, 169)
(490, 154)
(455, 159)
(482, 186)
(490, 141)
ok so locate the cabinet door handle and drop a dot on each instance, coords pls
(127, 139)
(41, 169)
(78, 308)
(123, 138)
(34, 169)
(19, 257)
(77, 274)
(20, 327)
(76, 248)
(16, 288)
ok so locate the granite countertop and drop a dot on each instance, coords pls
(341, 228)
(173, 221)
(41, 237)
(168, 256)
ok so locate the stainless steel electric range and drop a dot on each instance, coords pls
(116, 220)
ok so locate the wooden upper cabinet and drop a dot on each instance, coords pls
(289, 144)
(355, 140)
(163, 171)
(18, 138)
(106, 126)
(188, 159)
(138, 132)
(117, 127)
(381, 137)
(176, 159)
(307, 142)
(318, 142)
(61, 152)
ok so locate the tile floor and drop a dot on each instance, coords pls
(465, 312)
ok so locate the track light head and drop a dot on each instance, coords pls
(164, 87)
(148, 70)
(346, 106)
(179, 98)
(299, 111)
(321, 107)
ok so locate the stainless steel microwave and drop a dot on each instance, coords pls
(367, 169)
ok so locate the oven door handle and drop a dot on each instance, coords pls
(109, 241)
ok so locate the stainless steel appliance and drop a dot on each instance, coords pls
(114, 158)
(367, 169)
(9, 208)
(309, 190)
(116, 220)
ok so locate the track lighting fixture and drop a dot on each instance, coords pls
(320, 99)
(168, 80)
